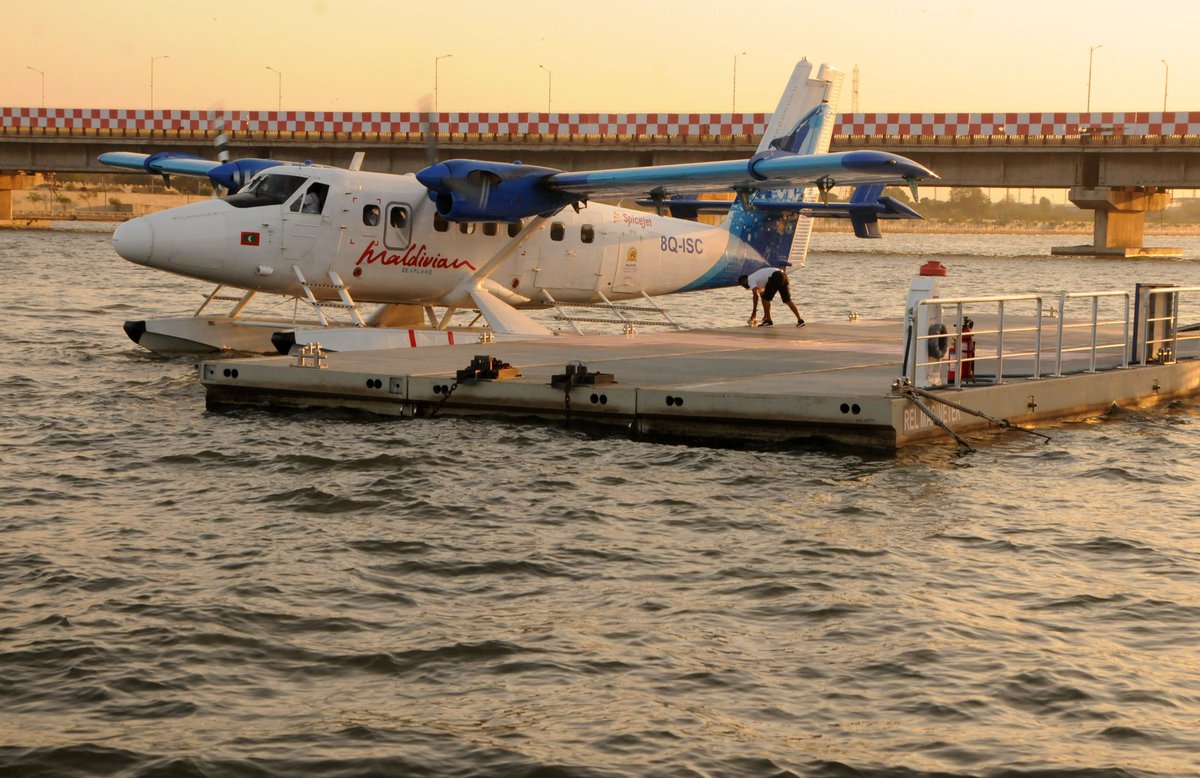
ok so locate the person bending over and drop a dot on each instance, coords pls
(765, 283)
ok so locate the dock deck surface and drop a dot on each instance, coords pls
(831, 380)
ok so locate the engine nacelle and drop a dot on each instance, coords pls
(467, 190)
(233, 175)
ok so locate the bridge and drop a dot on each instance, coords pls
(1119, 164)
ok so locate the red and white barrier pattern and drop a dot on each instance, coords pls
(607, 124)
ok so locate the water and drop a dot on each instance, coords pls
(186, 593)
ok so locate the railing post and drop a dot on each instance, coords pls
(1062, 315)
(1174, 327)
(1037, 342)
(1095, 319)
(958, 347)
(1125, 338)
(1000, 343)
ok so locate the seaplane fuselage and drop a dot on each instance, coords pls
(383, 236)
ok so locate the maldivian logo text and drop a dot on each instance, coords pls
(415, 256)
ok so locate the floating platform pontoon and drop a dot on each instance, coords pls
(839, 381)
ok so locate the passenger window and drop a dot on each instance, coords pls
(514, 229)
(587, 233)
(489, 228)
(371, 215)
(439, 223)
(399, 228)
(466, 228)
(557, 231)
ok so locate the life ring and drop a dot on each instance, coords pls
(939, 341)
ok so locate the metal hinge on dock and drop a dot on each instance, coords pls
(576, 374)
(646, 313)
(485, 368)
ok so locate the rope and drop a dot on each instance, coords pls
(911, 394)
(1003, 423)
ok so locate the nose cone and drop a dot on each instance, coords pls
(134, 240)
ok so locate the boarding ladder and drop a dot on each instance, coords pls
(629, 316)
(335, 282)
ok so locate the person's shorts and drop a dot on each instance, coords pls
(778, 282)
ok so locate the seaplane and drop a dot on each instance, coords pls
(493, 239)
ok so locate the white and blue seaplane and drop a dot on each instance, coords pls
(499, 239)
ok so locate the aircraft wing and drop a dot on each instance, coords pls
(231, 175)
(166, 164)
(475, 190)
(850, 168)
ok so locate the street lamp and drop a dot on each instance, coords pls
(164, 56)
(43, 75)
(1166, 79)
(735, 56)
(279, 93)
(1091, 51)
(435, 79)
(549, 85)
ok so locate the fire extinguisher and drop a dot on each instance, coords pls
(968, 353)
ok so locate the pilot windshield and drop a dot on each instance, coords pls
(313, 200)
(270, 189)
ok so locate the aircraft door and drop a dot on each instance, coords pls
(628, 279)
(303, 220)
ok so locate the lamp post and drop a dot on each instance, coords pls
(735, 56)
(1091, 52)
(279, 92)
(549, 86)
(1166, 79)
(43, 75)
(163, 56)
(435, 79)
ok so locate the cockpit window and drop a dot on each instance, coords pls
(270, 189)
(313, 199)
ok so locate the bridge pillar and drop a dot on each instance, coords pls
(9, 182)
(1120, 217)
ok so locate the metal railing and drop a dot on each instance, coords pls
(1094, 325)
(1157, 334)
(1158, 324)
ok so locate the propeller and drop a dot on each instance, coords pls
(428, 128)
(220, 142)
(476, 186)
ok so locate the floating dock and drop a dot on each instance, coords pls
(837, 381)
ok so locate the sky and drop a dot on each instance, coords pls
(615, 56)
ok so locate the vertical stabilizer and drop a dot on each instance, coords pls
(802, 123)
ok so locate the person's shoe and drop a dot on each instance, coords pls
(766, 323)
(800, 323)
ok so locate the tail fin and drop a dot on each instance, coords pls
(802, 124)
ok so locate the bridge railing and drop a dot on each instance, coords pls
(603, 125)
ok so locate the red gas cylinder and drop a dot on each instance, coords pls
(933, 268)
